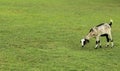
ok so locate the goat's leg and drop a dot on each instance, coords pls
(107, 38)
(111, 40)
(100, 44)
(97, 42)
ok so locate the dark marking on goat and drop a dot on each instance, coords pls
(110, 24)
(107, 38)
(104, 35)
(97, 42)
(100, 24)
(86, 41)
(91, 30)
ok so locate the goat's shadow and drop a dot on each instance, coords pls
(78, 47)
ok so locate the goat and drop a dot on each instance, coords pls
(103, 29)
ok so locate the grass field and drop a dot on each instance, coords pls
(44, 35)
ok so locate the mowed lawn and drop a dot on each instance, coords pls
(44, 35)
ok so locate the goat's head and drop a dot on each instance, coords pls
(84, 42)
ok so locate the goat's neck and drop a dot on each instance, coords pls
(87, 37)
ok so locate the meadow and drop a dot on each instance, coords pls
(44, 35)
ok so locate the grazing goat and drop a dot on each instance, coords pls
(103, 29)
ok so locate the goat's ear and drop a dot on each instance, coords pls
(87, 40)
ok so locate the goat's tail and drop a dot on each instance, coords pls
(111, 21)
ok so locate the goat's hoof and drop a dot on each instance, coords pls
(100, 46)
(107, 45)
(95, 47)
(112, 46)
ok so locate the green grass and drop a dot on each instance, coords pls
(44, 35)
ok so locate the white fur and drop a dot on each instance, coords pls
(111, 20)
(82, 41)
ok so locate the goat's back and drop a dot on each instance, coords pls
(103, 29)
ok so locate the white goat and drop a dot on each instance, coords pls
(103, 29)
